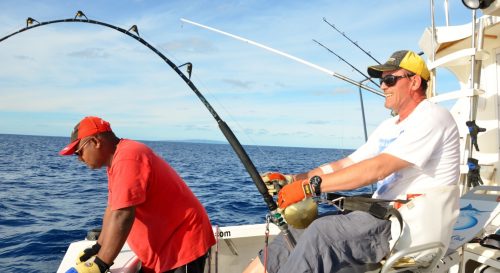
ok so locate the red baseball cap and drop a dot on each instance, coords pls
(88, 126)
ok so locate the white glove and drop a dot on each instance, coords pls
(275, 181)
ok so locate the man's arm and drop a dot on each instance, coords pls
(116, 227)
(362, 173)
(334, 166)
(104, 228)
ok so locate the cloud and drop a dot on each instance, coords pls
(304, 134)
(336, 91)
(343, 90)
(24, 58)
(259, 131)
(318, 122)
(193, 127)
(240, 84)
(194, 45)
(92, 53)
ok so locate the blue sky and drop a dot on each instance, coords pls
(54, 75)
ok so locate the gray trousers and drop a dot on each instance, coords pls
(330, 244)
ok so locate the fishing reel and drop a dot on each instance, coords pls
(298, 215)
(301, 214)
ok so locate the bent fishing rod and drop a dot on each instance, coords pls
(226, 131)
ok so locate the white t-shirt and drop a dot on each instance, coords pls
(428, 139)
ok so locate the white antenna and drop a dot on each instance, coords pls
(329, 72)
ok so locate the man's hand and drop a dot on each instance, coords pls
(293, 193)
(275, 181)
(88, 253)
(95, 266)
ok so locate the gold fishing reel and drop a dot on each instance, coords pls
(298, 215)
(301, 214)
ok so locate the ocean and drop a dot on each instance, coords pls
(49, 201)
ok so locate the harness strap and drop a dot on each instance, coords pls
(379, 208)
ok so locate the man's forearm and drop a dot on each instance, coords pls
(363, 173)
(332, 166)
(102, 235)
(117, 225)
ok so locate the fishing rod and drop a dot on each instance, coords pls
(322, 69)
(345, 61)
(353, 42)
(226, 131)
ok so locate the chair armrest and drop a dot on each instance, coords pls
(440, 248)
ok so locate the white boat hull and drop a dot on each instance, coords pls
(235, 248)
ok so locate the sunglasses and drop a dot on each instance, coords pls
(391, 80)
(79, 151)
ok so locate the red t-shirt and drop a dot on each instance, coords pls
(171, 227)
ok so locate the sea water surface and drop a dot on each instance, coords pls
(48, 201)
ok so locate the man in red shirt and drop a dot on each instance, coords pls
(149, 205)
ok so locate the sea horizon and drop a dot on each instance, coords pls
(199, 141)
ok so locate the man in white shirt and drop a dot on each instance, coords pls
(408, 154)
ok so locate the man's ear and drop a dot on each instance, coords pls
(98, 141)
(416, 82)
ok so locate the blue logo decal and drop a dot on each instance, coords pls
(467, 217)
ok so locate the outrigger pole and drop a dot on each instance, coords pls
(348, 63)
(231, 138)
(353, 42)
(317, 67)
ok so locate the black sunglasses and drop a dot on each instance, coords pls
(391, 80)
(79, 151)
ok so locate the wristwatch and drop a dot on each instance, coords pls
(315, 182)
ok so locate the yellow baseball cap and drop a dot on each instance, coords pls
(405, 59)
